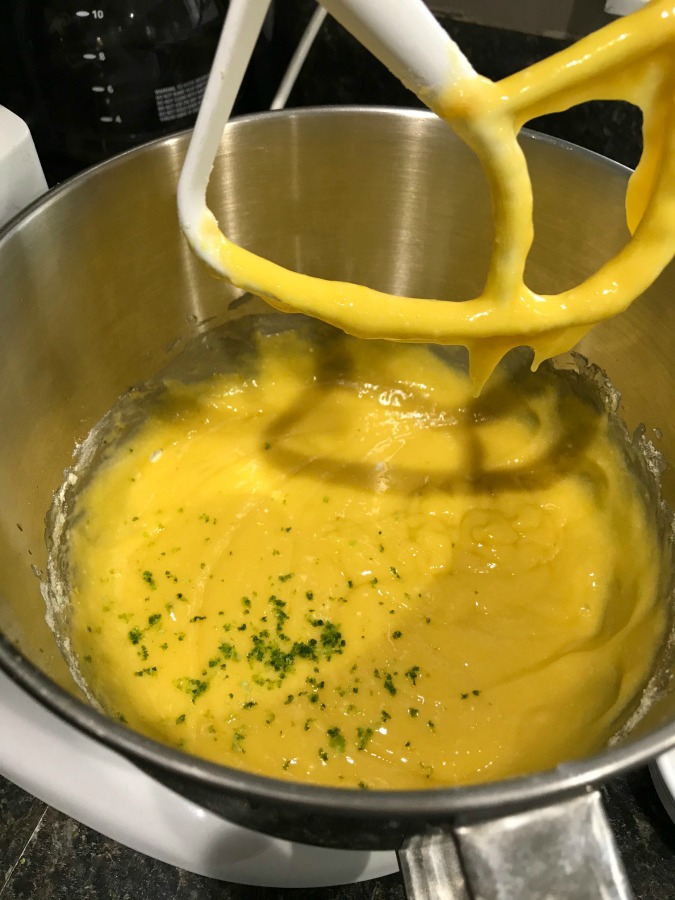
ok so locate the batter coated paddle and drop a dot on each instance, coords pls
(631, 59)
(403, 34)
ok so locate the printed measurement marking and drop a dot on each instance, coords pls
(106, 119)
(88, 56)
(179, 100)
(98, 89)
(82, 13)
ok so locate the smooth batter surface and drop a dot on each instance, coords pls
(341, 567)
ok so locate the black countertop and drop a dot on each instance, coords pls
(44, 854)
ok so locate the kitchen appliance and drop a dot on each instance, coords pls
(94, 80)
(100, 788)
(95, 299)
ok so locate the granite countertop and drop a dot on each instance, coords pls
(44, 854)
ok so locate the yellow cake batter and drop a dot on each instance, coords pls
(340, 567)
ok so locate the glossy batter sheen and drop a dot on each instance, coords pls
(631, 59)
(340, 567)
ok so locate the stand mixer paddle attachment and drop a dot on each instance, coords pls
(631, 59)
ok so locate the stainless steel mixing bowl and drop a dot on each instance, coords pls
(97, 291)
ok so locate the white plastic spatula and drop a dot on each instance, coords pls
(403, 34)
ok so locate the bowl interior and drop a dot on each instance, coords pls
(100, 290)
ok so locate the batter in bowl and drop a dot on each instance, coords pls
(335, 564)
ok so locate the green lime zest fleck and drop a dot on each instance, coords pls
(331, 638)
(193, 686)
(413, 674)
(149, 579)
(336, 739)
(229, 651)
(363, 735)
(389, 685)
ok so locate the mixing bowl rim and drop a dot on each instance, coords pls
(310, 112)
(480, 800)
(486, 799)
